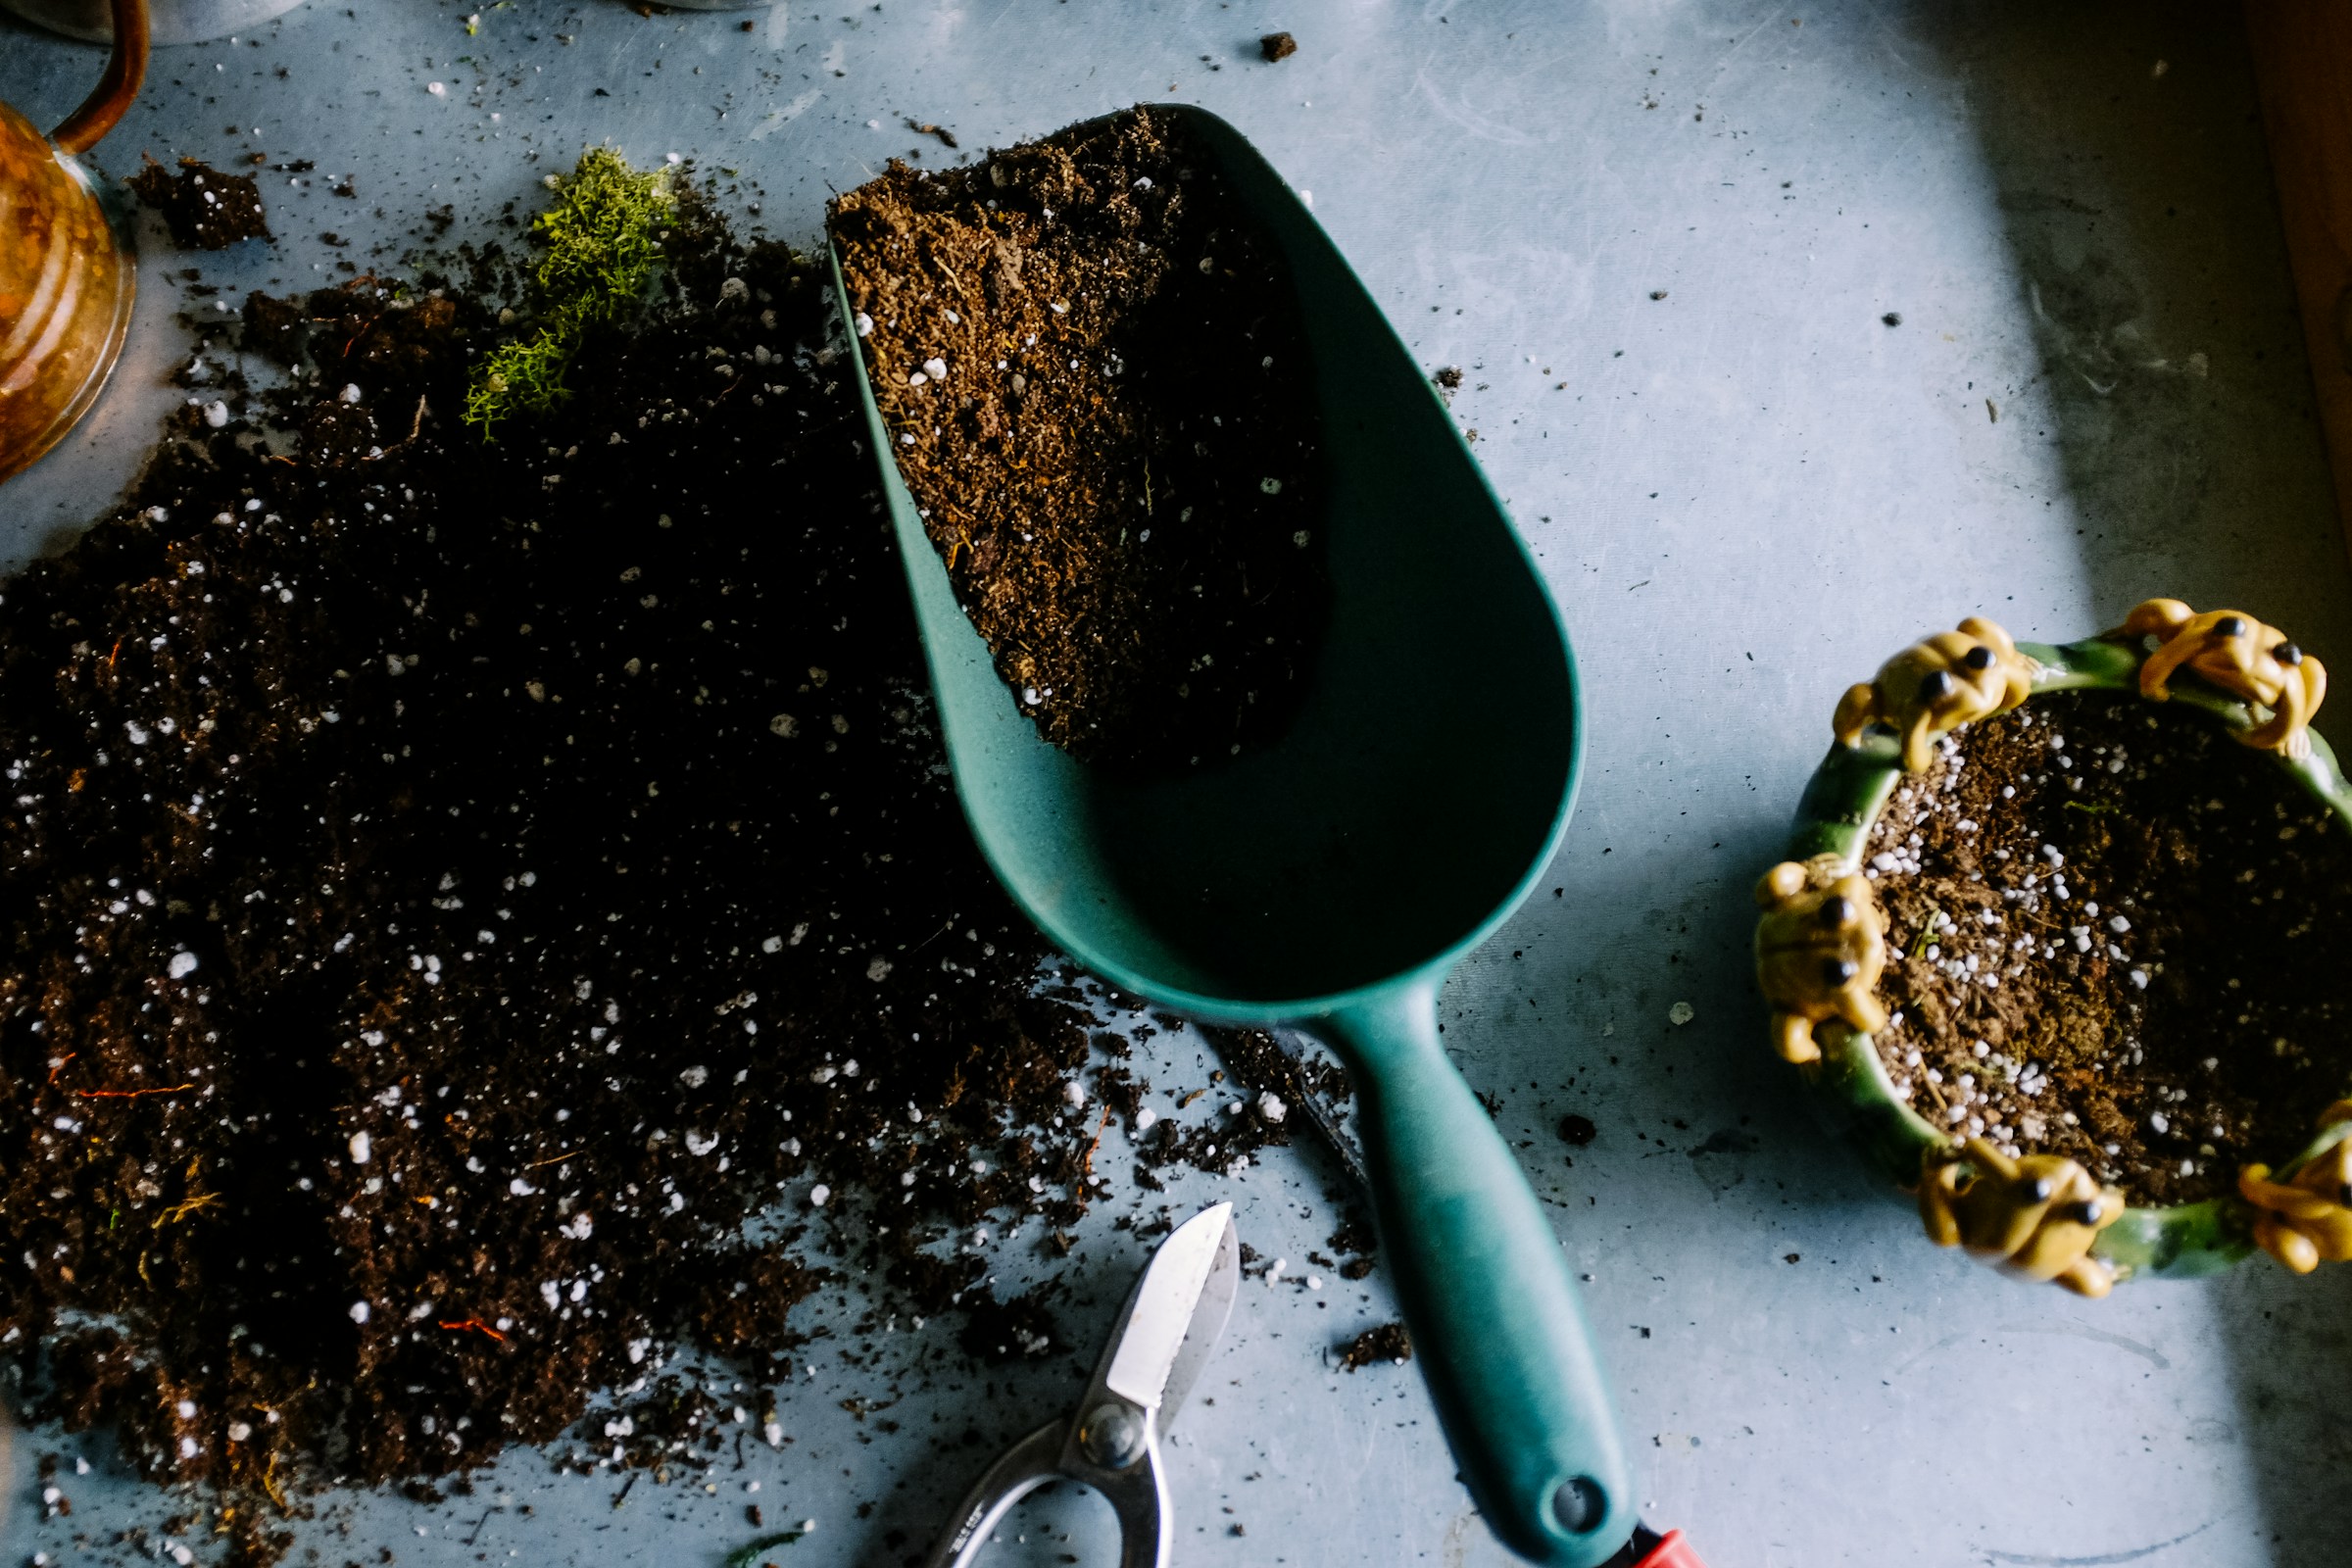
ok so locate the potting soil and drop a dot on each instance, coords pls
(1089, 360)
(453, 887)
(2111, 938)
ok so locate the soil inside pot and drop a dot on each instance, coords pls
(453, 888)
(2111, 936)
(1089, 360)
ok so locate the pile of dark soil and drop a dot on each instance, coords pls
(2110, 940)
(1090, 363)
(451, 888)
(206, 210)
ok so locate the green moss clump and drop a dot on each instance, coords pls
(600, 249)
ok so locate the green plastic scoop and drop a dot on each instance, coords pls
(1329, 881)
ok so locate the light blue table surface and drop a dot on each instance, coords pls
(1694, 213)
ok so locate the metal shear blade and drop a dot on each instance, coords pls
(1111, 1441)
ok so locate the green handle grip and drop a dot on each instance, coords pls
(1486, 1290)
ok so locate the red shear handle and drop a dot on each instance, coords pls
(1671, 1551)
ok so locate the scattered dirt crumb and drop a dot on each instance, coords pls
(205, 209)
(1387, 1343)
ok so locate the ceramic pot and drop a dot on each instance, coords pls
(1849, 1084)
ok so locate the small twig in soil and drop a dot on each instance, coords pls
(182, 1209)
(741, 1556)
(416, 424)
(477, 1325)
(129, 1093)
(1086, 1166)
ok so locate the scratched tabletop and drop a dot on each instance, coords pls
(1791, 332)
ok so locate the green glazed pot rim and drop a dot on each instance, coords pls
(1850, 1085)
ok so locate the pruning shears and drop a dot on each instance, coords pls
(1111, 1441)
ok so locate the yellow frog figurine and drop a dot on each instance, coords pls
(1936, 685)
(2251, 662)
(2033, 1218)
(2306, 1219)
(1820, 946)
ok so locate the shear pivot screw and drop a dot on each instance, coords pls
(1111, 1437)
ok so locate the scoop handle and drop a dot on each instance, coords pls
(1486, 1290)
